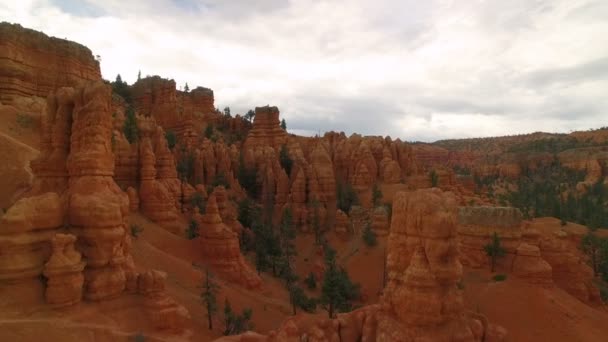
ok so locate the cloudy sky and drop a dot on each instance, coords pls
(418, 70)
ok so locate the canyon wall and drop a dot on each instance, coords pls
(33, 64)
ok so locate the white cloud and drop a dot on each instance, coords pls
(417, 70)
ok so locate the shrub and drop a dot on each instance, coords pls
(192, 231)
(311, 281)
(346, 196)
(369, 236)
(434, 179)
(171, 139)
(500, 277)
(285, 160)
(136, 230)
(130, 126)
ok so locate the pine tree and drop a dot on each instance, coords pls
(209, 297)
(209, 131)
(434, 178)
(285, 160)
(234, 323)
(346, 197)
(494, 250)
(227, 111)
(283, 124)
(376, 196)
(139, 75)
(311, 281)
(130, 126)
(250, 115)
(287, 234)
(171, 139)
(591, 245)
(337, 290)
(192, 231)
(186, 88)
(316, 220)
(369, 236)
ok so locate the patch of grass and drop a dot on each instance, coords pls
(136, 230)
(500, 277)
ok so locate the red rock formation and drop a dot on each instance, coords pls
(25, 231)
(570, 272)
(266, 130)
(64, 272)
(529, 265)
(133, 200)
(94, 206)
(220, 245)
(33, 64)
(341, 225)
(156, 201)
(421, 300)
(380, 224)
(98, 208)
(162, 310)
(476, 228)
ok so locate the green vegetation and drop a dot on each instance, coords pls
(346, 196)
(186, 88)
(461, 170)
(285, 160)
(283, 124)
(234, 323)
(548, 190)
(248, 178)
(130, 126)
(171, 139)
(287, 235)
(311, 281)
(227, 111)
(197, 201)
(185, 168)
(552, 145)
(122, 88)
(250, 115)
(316, 220)
(136, 230)
(434, 178)
(595, 249)
(337, 291)
(500, 277)
(208, 131)
(192, 230)
(220, 179)
(298, 299)
(376, 196)
(139, 337)
(209, 297)
(494, 250)
(369, 236)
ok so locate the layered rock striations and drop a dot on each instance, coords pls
(33, 64)
(64, 272)
(78, 195)
(476, 226)
(220, 246)
(421, 301)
